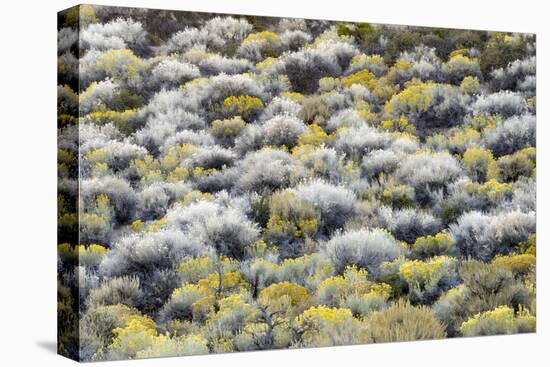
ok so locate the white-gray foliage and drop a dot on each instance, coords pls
(283, 130)
(98, 97)
(482, 236)
(408, 224)
(305, 67)
(217, 64)
(336, 204)
(429, 170)
(505, 103)
(223, 228)
(511, 134)
(265, 170)
(280, 106)
(172, 73)
(519, 74)
(121, 195)
(116, 34)
(344, 118)
(364, 248)
(358, 141)
(380, 161)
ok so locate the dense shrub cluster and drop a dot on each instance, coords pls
(231, 183)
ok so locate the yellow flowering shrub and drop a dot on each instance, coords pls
(178, 174)
(137, 225)
(469, 85)
(416, 98)
(325, 326)
(80, 14)
(120, 64)
(403, 322)
(232, 281)
(400, 196)
(244, 106)
(195, 196)
(400, 125)
(519, 264)
(87, 255)
(125, 121)
(138, 334)
(290, 216)
(430, 246)
(140, 167)
(328, 84)
(482, 121)
(501, 320)
(420, 274)
(296, 294)
(491, 190)
(315, 136)
(478, 162)
(363, 77)
(264, 37)
(228, 127)
(529, 246)
(175, 154)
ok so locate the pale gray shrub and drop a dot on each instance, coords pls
(404, 145)
(172, 73)
(198, 138)
(364, 248)
(121, 153)
(250, 139)
(116, 34)
(121, 195)
(335, 204)
(481, 236)
(225, 229)
(305, 67)
(511, 135)
(325, 163)
(344, 118)
(425, 65)
(120, 290)
(408, 224)
(265, 170)
(356, 142)
(160, 128)
(211, 157)
(67, 101)
(505, 103)
(524, 198)
(144, 254)
(189, 38)
(215, 89)
(294, 40)
(380, 161)
(217, 64)
(153, 202)
(515, 75)
(283, 130)
(66, 38)
(364, 62)
(226, 30)
(429, 170)
(91, 136)
(280, 106)
(99, 97)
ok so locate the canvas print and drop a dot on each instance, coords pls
(234, 183)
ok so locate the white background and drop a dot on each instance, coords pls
(28, 181)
